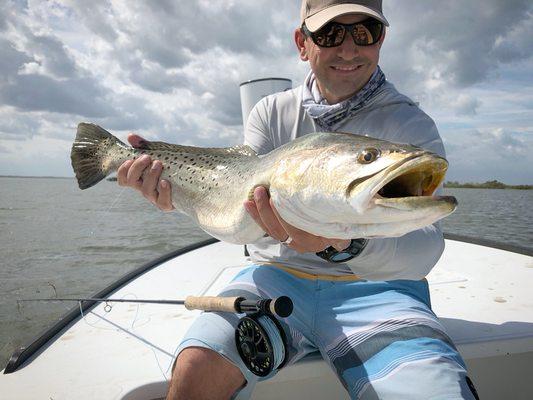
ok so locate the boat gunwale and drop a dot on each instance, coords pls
(23, 353)
(20, 355)
(490, 243)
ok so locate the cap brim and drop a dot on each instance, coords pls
(318, 20)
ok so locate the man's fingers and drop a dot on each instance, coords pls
(270, 220)
(302, 241)
(249, 205)
(150, 181)
(264, 213)
(164, 200)
(136, 141)
(144, 175)
(122, 172)
(135, 172)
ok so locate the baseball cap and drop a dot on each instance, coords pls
(317, 13)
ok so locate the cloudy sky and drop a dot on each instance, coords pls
(171, 70)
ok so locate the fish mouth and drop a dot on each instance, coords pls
(415, 176)
(409, 184)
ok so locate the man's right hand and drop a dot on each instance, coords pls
(144, 175)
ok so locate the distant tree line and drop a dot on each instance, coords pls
(486, 185)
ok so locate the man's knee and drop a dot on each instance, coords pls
(194, 366)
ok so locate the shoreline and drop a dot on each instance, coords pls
(447, 185)
(38, 177)
(486, 185)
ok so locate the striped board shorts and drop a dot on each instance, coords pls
(380, 337)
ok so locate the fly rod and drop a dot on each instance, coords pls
(280, 306)
(259, 337)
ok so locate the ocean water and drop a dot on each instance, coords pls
(58, 240)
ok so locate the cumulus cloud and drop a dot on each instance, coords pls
(460, 43)
(466, 105)
(37, 92)
(170, 70)
(17, 126)
(490, 154)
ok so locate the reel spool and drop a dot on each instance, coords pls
(261, 343)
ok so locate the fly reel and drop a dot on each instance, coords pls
(260, 339)
(261, 343)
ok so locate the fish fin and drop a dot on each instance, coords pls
(90, 154)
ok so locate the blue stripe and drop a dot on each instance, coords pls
(395, 355)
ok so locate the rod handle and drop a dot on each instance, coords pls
(211, 303)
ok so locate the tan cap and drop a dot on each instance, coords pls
(317, 13)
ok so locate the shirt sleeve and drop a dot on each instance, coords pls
(257, 133)
(413, 255)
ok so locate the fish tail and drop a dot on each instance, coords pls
(95, 154)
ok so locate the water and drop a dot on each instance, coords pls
(57, 239)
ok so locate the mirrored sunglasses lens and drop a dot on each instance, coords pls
(330, 35)
(367, 34)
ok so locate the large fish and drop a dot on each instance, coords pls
(335, 185)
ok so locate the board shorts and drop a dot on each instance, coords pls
(381, 338)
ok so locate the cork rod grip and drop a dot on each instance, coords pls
(210, 303)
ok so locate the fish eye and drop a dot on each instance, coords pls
(368, 155)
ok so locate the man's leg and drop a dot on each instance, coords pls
(208, 365)
(384, 342)
(203, 374)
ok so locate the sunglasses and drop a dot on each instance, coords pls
(364, 33)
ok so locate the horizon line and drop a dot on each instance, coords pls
(73, 177)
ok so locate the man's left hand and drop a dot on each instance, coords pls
(265, 215)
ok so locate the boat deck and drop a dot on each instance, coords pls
(482, 295)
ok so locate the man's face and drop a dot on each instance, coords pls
(343, 70)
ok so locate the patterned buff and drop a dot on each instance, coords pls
(329, 117)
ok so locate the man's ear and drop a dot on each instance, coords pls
(299, 39)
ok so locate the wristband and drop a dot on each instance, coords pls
(335, 256)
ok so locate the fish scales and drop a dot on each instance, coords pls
(335, 185)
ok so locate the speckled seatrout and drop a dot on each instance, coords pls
(335, 185)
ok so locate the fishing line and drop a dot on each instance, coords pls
(117, 197)
(273, 333)
(260, 339)
(107, 309)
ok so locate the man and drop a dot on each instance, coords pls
(369, 316)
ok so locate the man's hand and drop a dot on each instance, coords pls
(265, 215)
(144, 175)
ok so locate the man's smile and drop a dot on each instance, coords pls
(346, 67)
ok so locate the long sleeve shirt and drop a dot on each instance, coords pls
(389, 115)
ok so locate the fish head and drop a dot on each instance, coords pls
(365, 187)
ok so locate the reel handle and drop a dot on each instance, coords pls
(280, 306)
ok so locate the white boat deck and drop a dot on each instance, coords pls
(483, 296)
